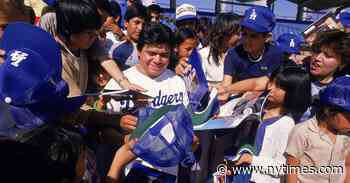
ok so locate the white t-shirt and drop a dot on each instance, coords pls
(212, 71)
(167, 89)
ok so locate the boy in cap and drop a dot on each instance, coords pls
(254, 57)
(186, 17)
(33, 102)
(323, 141)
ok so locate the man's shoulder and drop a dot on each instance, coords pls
(273, 51)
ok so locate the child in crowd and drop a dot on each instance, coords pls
(186, 40)
(224, 35)
(285, 105)
(323, 141)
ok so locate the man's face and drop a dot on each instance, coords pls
(325, 63)
(253, 42)
(134, 27)
(154, 59)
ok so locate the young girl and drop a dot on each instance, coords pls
(285, 104)
(322, 141)
(186, 40)
(224, 35)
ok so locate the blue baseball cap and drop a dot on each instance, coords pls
(290, 43)
(344, 18)
(165, 136)
(30, 78)
(337, 93)
(259, 19)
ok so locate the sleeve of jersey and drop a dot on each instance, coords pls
(229, 68)
(121, 53)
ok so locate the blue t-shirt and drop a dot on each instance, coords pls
(238, 65)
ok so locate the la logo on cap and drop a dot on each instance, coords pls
(292, 43)
(253, 15)
(17, 57)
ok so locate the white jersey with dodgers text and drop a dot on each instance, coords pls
(167, 89)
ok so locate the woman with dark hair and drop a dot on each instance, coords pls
(224, 35)
(284, 106)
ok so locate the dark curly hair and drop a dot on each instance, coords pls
(338, 40)
(155, 33)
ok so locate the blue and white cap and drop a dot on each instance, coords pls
(337, 94)
(344, 18)
(259, 19)
(165, 136)
(30, 78)
(290, 43)
(185, 12)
